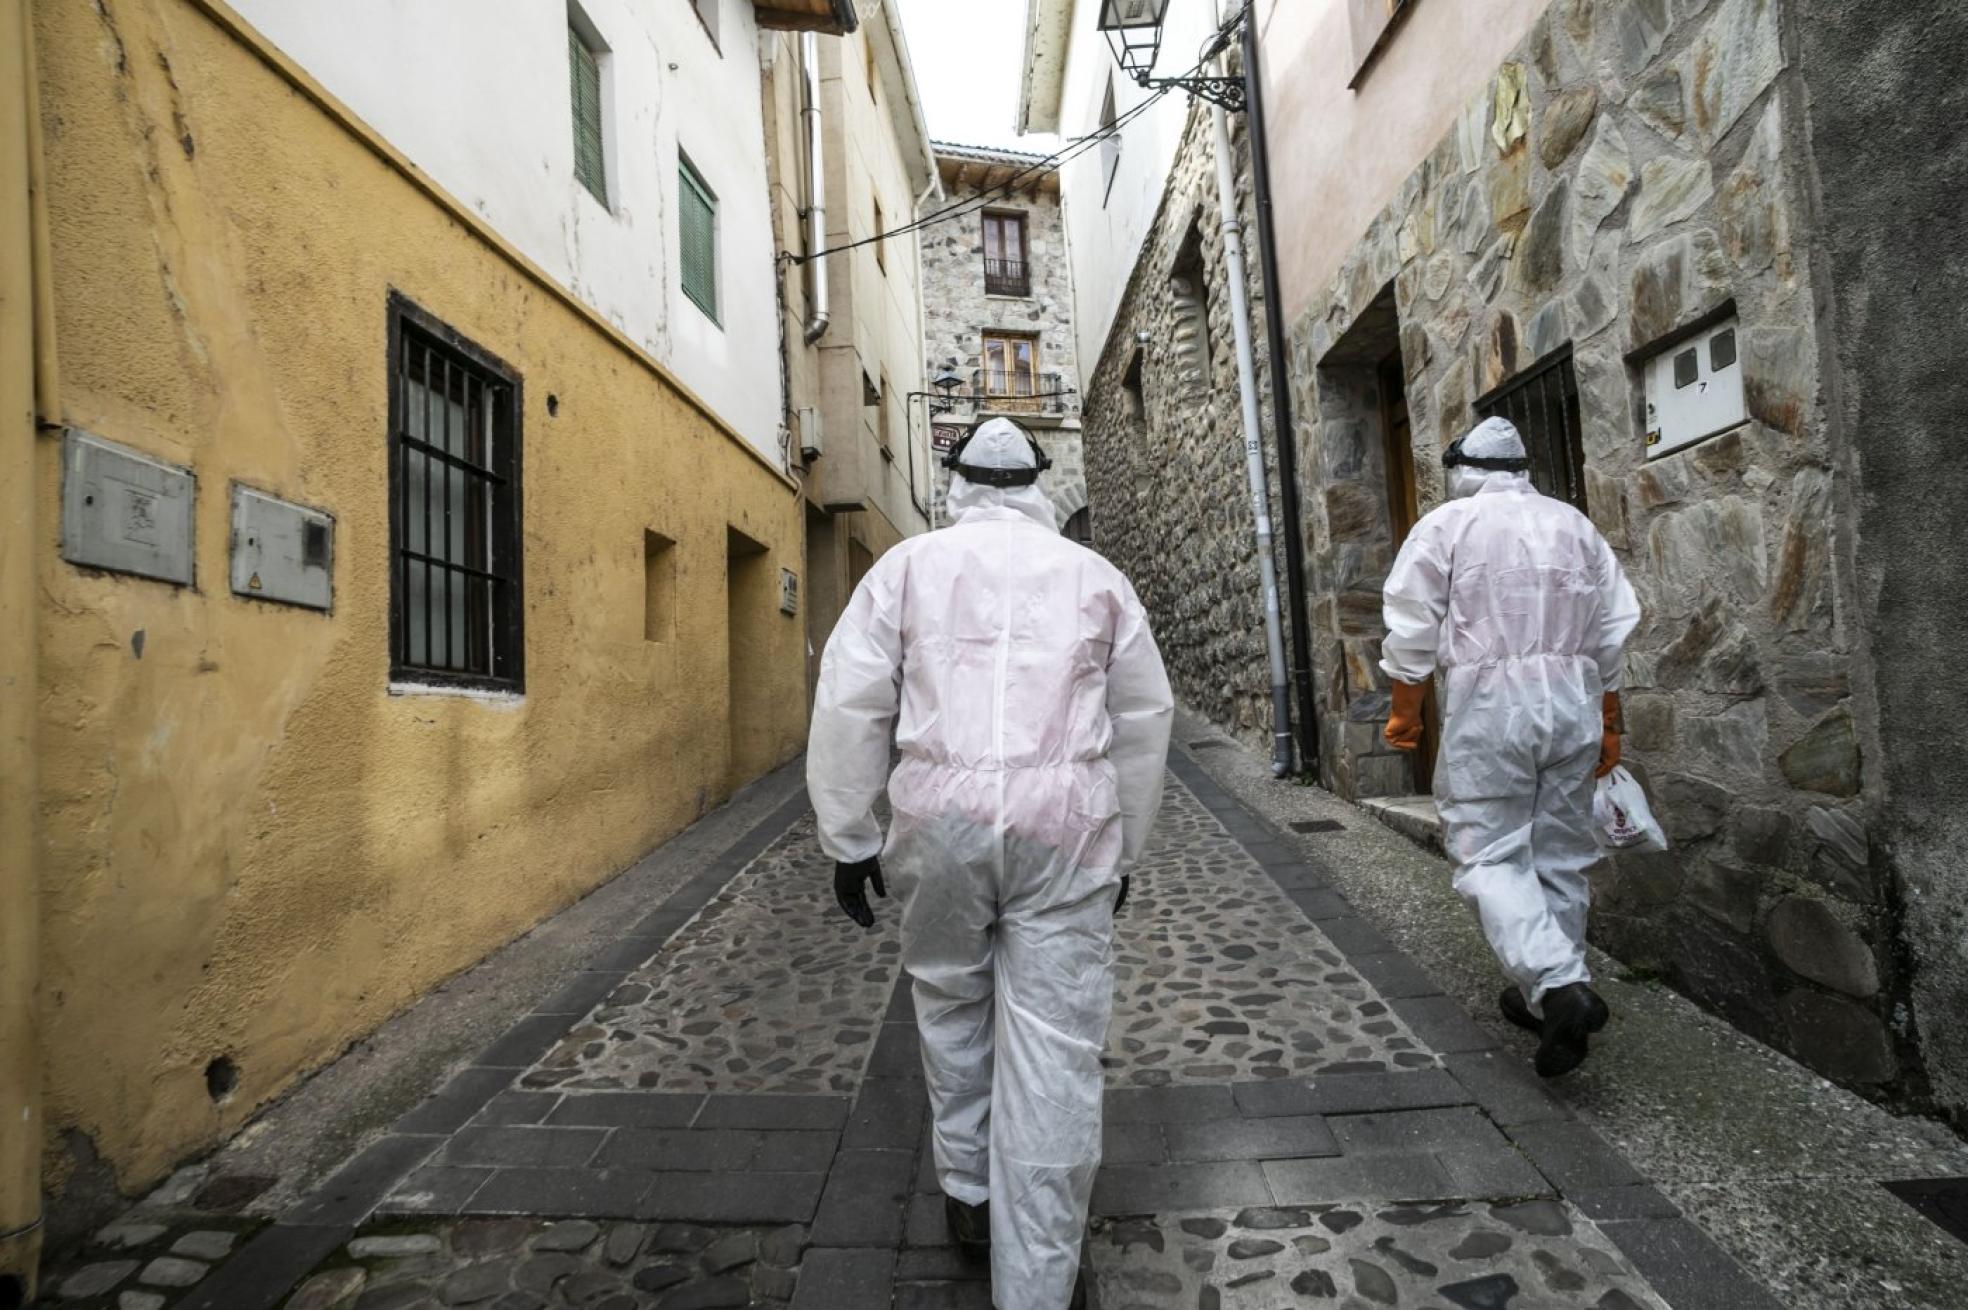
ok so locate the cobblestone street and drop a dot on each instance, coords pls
(726, 1109)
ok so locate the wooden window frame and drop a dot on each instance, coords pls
(498, 477)
(1010, 340)
(585, 54)
(1013, 277)
(688, 176)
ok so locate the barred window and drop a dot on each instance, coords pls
(697, 229)
(455, 605)
(584, 77)
(1543, 403)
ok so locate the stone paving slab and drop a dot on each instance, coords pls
(1219, 977)
(538, 1262)
(1536, 1255)
(1273, 1088)
(770, 989)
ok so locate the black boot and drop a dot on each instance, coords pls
(970, 1227)
(1569, 1014)
(1516, 1010)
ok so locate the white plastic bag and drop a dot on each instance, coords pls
(1622, 818)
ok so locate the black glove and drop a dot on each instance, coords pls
(849, 884)
(1121, 900)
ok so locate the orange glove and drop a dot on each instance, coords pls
(1403, 730)
(1609, 741)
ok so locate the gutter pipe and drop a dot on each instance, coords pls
(816, 188)
(1303, 681)
(1233, 257)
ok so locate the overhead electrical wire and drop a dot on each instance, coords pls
(1040, 167)
(1037, 169)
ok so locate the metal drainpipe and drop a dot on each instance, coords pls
(1233, 258)
(1281, 410)
(930, 188)
(816, 188)
(23, 365)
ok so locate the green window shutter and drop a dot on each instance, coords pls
(697, 227)
(584, 75)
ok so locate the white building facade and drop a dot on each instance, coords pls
(487, 108)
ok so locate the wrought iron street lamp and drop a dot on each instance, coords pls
(1133, 29)
(1134, 32)
(946, 382)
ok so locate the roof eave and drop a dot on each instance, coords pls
(839, 20)
(917, 147)
(1042, 78)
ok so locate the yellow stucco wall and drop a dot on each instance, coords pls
(249, 848)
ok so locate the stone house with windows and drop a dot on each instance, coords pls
(998, 316)
(1657, 237)
(401, 538)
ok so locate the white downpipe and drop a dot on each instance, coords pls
(1233, 260)
(934, 187)
(816, 188)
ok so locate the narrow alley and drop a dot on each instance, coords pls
(724, 1108)
(523, 521)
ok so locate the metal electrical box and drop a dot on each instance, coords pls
(812, 435)
(1694, 390)
(125, 511)
(281, 551)
(789, 592)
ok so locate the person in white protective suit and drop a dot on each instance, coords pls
(1517, 601)
(1032, 713)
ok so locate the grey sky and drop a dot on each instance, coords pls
(967, 55)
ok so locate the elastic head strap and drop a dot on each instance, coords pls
(1001, 478)
(1454, 457)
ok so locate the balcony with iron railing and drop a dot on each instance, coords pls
(1007, 277)
(1013, 391)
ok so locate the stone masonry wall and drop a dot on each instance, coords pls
(957, 313)
(1167, 476)
(1889, 157)
(1635, 165)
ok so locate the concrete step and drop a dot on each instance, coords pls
(1414, 817)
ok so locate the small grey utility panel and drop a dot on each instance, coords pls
(281, 551)
(124, 511)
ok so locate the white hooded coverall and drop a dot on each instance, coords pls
(1032, 713)
(1517, 600)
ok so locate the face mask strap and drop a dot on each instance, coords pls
(1454, 458)
(1000, 478)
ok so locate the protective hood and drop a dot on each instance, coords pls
(1492, 439)
(999, 444)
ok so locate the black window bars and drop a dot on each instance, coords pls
(1543, 403)
(456, 612)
